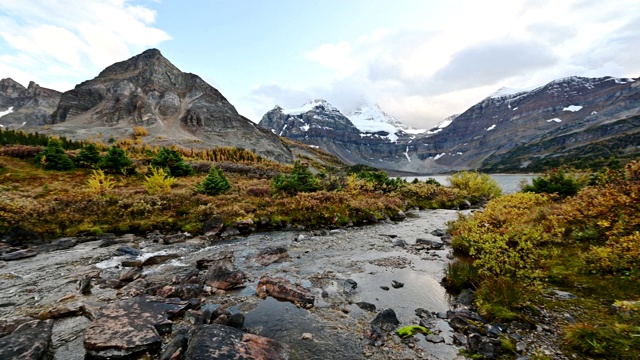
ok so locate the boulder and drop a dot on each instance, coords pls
(174, 239)
(61, 311)
(272, 255)
(159, 259)
(221, 277)
(465, 298)
(128, 250)
(285, 290)
(397, 284)
(400, 215)
(184, 292)
(131, 274)
(30, 341)
(62, 244)
(227, 343)
(7, 326)
(213, 226)
(386, 320)
(131, 326)
(177, 345)
(244, 226)
(433, 244)
(134, 288)
(20, 254)
(366, 306)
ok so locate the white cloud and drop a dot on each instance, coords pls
(68, 41)
(423, 74)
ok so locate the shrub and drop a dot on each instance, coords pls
(140, 131)
(20, 151)
(214, 184)
(300, 180)
(502, 299)
(100, 183)
(89, 156)
(116, 161)
(460, 275)
(557, 181)
(377, 180)
(159, 182)
(53, 157)
(172, 161)
(476, 187)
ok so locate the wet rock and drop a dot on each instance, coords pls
(111, 284)
(400, 215)
(349, 286)
(20, 254)
(174, 239)
(492, 331)
(436, 339)
(62, 244)
(223, 259)
(469, 315)
(84, 285)
(366, 306)
(400, 243)
(236, 321)
(128, 250)
(213, 226)
(131, 263)
(134, 288)
(7, 326)
(131, 326)
(67, 337)
(130, 275)
(221, 277)
(459, 339)
(438, 232)
(372, 219)
(563, 295)
(195, 317)
(458, 323)
(486, 347)
(226, 343)
(221, 320)
(433, 244)
(244, 226)
(386, 320)
(184, 292)
(272, 255)
(177, 346)
(397, 284)
(159, 259)
(30, 341)
(385, 288)
(285, 290)
(230, 231)
(423, 313)
(110, 239)
(391, 236)
(465, 298)
(376, 337)
(61, 311)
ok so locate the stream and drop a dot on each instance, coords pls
(326, 262)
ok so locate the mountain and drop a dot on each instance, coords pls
(369, 137)
(573, 120)
(175, 107)
(552, 124)
(30, 106)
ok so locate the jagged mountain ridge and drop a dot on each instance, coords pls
(501, 132)
(175, 107)
(320, 124)
(30, 106)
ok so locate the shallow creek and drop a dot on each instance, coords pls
(321, 262)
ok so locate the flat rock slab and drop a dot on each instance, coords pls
(227, 343)
(131, 326)
(272, 255)
(285, 290)
(30, 341)
(20, 254)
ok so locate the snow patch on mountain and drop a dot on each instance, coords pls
(573, 108)
(491, 127)
(554, 120)
(371, 119)
(317, 104)
(6, 112)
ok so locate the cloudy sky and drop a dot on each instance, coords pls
(419, 60)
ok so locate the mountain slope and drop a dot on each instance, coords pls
(147, 90)
(30, 106)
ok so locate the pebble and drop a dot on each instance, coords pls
(307, 336)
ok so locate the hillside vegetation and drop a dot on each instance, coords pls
(69, 188)
(567, 232)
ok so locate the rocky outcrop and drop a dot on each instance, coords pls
(25, 107)
(147, 90)
(224, 342)
(285, 290)
(30, 341)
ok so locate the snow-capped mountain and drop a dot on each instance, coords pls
(370, 118)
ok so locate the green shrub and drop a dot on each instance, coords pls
(502, 299)
(460, 275)
(116, 161)
(557, 181)
(378, 180)
(300, 180)
(89, 156)
(477, 187)
(53, 157)
(214, 184)
(172, 161)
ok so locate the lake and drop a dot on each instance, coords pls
(509, 183)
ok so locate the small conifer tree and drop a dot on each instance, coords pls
(89, 156)
(214, 184)
(53, 157)
(301, 179)
(116, 161)
(172, 161)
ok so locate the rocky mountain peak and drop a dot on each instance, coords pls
(10, 88)
(151, 61)
(371, 118)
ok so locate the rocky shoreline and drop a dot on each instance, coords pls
(340, 293)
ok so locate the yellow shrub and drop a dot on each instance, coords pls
(476, 186)
(140, 131)
(100, 183)
(158, 182)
